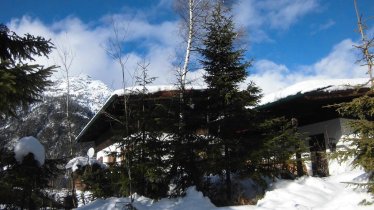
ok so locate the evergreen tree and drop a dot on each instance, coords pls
(228, 119)
(23, 185)
(142, 167)
(145, 143)
(21, 83)
(360, 111)
(188, 145)
(280, 141)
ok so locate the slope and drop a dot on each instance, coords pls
(46, 120)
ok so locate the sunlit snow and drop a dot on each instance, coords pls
(27, 145)
(327, 85)
(78, 162)
(155, 88)
(306, 192)
(84, 90)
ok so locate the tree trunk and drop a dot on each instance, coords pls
(299, 165)
(189, 43)
(228, 173)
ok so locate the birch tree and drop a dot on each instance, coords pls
(193, 14)
(115, 49)
(66, 58)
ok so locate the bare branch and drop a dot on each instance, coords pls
(365, 46)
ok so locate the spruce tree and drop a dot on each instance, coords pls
(147, 166)
(23, 185)
(228, 119)
(360, 111)
(280, 141)
(21, 83)
(188, 145)
(143, 169)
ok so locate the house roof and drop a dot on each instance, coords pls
(322, 85)
(309, 101)
(103, 125)
(97, 124)
(306, 101)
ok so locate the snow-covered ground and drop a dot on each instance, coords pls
(302, 194)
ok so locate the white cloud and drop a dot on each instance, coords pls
(155, 43)
(259, 16)
(324, 26)
(284, 13)
(339, 63)
(327, 25)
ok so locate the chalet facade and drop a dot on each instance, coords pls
(105, 127)
(321, 125)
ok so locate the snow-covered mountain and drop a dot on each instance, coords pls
(46, 120)
(83, 90)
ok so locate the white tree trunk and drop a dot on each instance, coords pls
(189, 43)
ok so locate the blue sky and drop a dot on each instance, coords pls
(289, 40)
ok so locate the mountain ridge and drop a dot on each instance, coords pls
(46, 120)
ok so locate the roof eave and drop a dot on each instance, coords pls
(95, 117)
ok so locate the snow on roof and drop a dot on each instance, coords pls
(78, 162)
(27, 145)
(327, 85)
(154, 88)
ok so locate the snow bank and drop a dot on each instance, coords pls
(327, 193)
(319, 193)
(193, 200)
(27, 145)
(311, 193)
(78, 162)
(327, 85)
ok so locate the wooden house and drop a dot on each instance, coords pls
(307, 102)
(310, 104)
(104, 128)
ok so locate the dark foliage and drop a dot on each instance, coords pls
(360, 111)
(21, 83)
(229, 118)
(280, 142)
(24, 184)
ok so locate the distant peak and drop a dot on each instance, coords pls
(83, 89)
